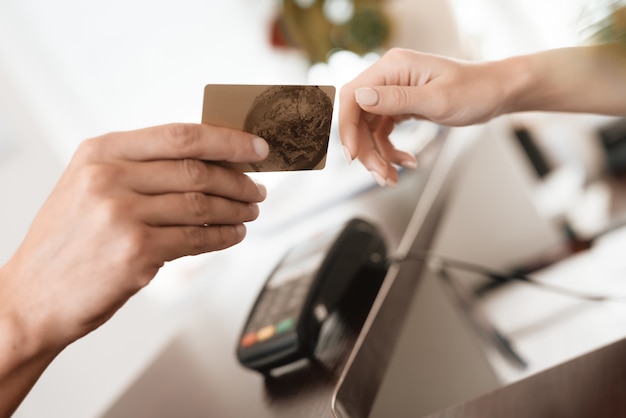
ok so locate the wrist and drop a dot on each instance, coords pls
(21, 362)
(520, 81)
(20, 343)
(588, 79)
(15, 348)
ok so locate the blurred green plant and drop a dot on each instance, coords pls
(319, 27)
(609, 22)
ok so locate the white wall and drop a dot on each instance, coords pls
(29, 168)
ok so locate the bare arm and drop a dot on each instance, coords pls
(22, 361)
(406, 83)
(590, 79)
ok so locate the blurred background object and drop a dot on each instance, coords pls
(607, 21)
(319, 27)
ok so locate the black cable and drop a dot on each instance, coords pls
(437, 262)
(480, 322)
(482, 325)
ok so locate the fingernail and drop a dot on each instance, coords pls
(366, 96)
(378, 178)
(347, 155)
(410, 164)
(262, 190)
(392, 183)
(241, 230)
(260, 147)
(254, 208)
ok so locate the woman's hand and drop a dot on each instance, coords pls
(408, 84)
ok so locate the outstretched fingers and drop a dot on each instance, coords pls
(178, 141)
(193, 208)
(180, 241)
(189, 175)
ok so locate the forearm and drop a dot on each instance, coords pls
(17, 375)
(590, 79)
(22, 359)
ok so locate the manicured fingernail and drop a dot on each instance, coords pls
(366, 96)
(392, 183)
(347, 155)
(262, 190)
(241, 230)
(410, 164)
(260, 147)
(378, 178)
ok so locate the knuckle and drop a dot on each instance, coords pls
(196, 172)
(182, 135)
(196, 240)
(245, 212)
(400, 96)
(224, 237)
(442, 105)
(197, 203)
(395, 55)
(253, 212)
(200, 240)
(395, 52)
(133, 244)
(89, 150)
(110, 211)
(245, 185)
(97, 178)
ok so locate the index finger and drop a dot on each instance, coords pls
(183, 140)
(350, 112)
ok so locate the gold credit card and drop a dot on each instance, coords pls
(295, 120)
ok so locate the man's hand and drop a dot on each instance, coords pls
(127, 203)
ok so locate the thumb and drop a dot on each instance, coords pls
(389, 100)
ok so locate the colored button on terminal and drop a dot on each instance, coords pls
(248, 339)
(266, 333)
(285, 325)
